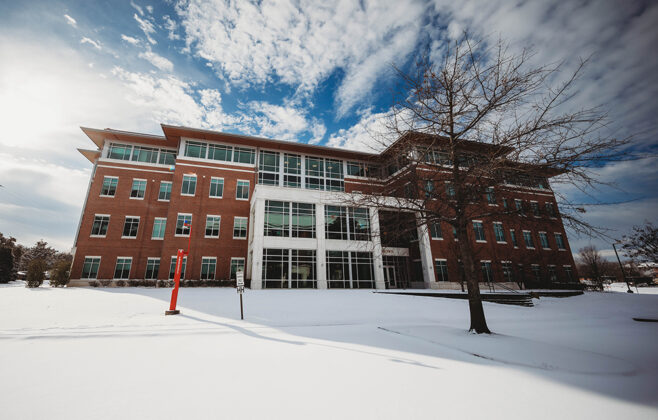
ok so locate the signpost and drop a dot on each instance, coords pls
(239, 281)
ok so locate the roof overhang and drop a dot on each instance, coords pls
(99, 136)
(91, 155)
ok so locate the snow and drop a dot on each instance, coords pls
(83, 353)
(621, 287)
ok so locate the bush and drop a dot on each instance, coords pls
(120, 283)
(105, 283)
(94, 283)
(165, 283)
(35, 273)
(59, 275)
(6, 265)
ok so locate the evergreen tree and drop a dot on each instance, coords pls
(35, 273)
(6, 265)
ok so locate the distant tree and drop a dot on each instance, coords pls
(40, 251)
(642, 244)
(59, 274)
(6, 265)
(35, 273)
(592, 265)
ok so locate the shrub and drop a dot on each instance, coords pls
(6, 265)
(94, 283)
(105, 282)
(35, 273)
(59, 275)
(120, 283)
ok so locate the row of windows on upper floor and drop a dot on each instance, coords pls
(188, 188)
(123, 268)
(500, 236)
(141, 154)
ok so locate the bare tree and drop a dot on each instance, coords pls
(642, 244)
(593, 266)
(477, 120)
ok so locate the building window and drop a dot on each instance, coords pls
(491, 196)
(527, 238)
(550, 209)
(499, 232)
(536, 272)
(172, 268)
(507, 271)
(512, 235)
(275, 268)
(212, 226)
(450, 190)
(277, 218)
(109, 188)
(183, 224)
(324, 174)
(441, 270)
(543, 240)
(568, 272)
(119, 151)
(268, 168)
(130, 227)
(359, 224)
(478, 228)
(292, 171)
(165, 191)
(505, 205)
(99, 227)
(435, 231)
(552, 274)
(138, 189)
(335, 218)
(195, 149)
(429, 188)
(208, 266)
(159, 226)
(363, 276)
(534, 206)
(220, 152)
(122, 269)
(167, 157)
(314, 173)
(361, 169)
(90, 267)
(302, 269)
(152, 268)
(242, 190)
(189, 185)
(487, 273)
(559, 240)
(519, 207)
(145, 154)
(244, 155)
(302, 223)
(237, 264)
(338, 270)
(239, 227)
(216, 187)
(350, 270)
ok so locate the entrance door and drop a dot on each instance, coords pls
(390, 276)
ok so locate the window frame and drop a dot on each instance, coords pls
(107, 226)
(162, 183)
(124, 227)
(187, 194)
(479, 228)
(132, 188)
(98, 266)
(207, 261)
(220, 182)
(116, 266)
(246, 227)
(219, 225)
(157, 266)
(183, 235)
(116, 186)
(164, 228)
(239, 187)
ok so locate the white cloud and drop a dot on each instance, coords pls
(95, 44)
(370, 134)
(303, 45)
(157, 60)
(138, 8)
(171, 26)
(149, 8)
(130, 39)
(71, 21)
(147, 27)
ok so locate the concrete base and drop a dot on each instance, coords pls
(174, 312)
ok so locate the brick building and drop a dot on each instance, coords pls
(276, 210)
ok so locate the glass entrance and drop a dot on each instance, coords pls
(390, 276)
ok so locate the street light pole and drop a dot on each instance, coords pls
(623, 273)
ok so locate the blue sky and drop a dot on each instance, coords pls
(317, 72)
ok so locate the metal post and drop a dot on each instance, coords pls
(241, 312)
(623, 273)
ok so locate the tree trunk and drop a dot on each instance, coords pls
(478, 320)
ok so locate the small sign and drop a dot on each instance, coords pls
(239, 277)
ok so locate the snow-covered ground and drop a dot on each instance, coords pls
(622, 287)
(85, 353)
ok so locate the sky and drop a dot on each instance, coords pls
(317, 72)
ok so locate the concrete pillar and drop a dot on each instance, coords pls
(258, 222)
(426, 255)
(321, 251)
(377, 252)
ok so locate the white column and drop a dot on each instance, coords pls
(321, 251)
(426, 255)
(377, 252)
(258, 222)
